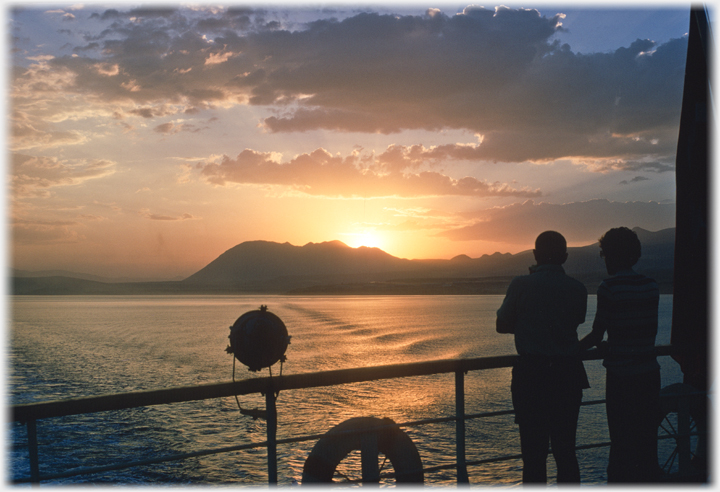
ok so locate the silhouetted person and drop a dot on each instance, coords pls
(627, 309)
(543, 310)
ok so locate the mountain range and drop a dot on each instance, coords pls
(332, 267)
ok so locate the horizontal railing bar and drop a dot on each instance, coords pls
(451, 466)
(261, 385)
(591, 402)
(591, 446)
(121, 401)
(150, 461)
(431, 469)
(175, 457)
(120, 466)
(240, 447)
(472, 416)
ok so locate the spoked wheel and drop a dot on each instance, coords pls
(350, 469)
(682, 433)
(670, 442)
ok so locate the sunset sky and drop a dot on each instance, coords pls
(146, 141)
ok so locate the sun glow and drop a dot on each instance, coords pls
(369, 239)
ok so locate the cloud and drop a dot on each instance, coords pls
(636, 179)
(148, 215)
(107, 206)
(148, 112)
(652, 165)
(34, 176)
(520, 223)
(172, 128)
(45, 232)
(27, 136)
(530, 99)
(92, 217)
(322, 174)
(494, 72)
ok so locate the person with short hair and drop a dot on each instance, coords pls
(543, 311)
(627, 310)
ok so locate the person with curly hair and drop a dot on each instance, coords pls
(627, 310)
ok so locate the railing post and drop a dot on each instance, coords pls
(271, 410)
(462, 475)
(369, 458)
(33, 451)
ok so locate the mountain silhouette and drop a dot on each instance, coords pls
(261, 260)
(331, 267)
(335, 268)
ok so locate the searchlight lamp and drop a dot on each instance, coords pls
(258, 339)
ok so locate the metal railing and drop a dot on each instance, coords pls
(269, 386)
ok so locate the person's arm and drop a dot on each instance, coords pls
(601, 321)
(582, 305)
(503, 326)
(592, 339)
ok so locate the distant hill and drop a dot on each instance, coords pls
(260, 261)
(60, 285)
(335, 268)
(14, 272)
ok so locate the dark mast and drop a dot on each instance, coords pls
(690, 318)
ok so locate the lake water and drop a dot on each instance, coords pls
(78, 346)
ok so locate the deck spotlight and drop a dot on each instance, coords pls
(258, 339)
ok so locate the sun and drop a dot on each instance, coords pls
(369, 239)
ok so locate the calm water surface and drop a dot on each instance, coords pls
(76, 346)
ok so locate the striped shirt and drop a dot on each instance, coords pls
(627, 310)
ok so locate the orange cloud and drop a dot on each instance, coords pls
(45, 232)
(152, 216)
(320, 173)
(33, 176)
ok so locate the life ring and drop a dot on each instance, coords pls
(347, 436)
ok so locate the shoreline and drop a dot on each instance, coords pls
(52, 286)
